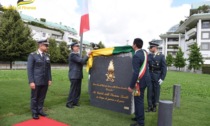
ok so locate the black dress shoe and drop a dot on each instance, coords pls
(35, 116)
(69, 106)
(154, 109)
(150, 109)
(42, 114)
(134, 119)
(136, 124)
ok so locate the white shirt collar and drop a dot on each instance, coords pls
(40, 52)
(75, 52)
(156, 53)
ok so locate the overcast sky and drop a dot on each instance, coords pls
(114, 22)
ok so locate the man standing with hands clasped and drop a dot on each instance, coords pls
(76, 63)
(157, 70)
(141, 78)
(39, 76)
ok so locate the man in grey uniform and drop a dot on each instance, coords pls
(39, 76)
(76, 63)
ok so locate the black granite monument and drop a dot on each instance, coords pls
(110, 77)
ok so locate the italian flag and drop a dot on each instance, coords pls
(144, 66)
(84, 23)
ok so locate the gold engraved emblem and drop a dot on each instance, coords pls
(110, 74)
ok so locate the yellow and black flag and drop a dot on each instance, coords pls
(24, 2)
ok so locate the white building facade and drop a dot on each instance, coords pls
(196, 29)
(56, 31)
(171, 41)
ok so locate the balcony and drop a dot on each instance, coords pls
(190, 33)
(191, 41)
(172, 50)
(172, 53)
(58, 40)
(173, 43)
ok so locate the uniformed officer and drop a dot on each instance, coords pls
(137, 61)
(157, 70)
(75, 75)
(39, 76)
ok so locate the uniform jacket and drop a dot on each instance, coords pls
(39, 69)
(157, 65)
(76, 66)
(137, 61)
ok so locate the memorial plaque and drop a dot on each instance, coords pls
(109, 80)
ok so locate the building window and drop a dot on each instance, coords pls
(54, 36)
(205, 35)
(173, 53)
(205, 46)
(205, 24)
(173, 39)
(172, 47)
(70, 40)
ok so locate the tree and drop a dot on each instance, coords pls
(43, 19)
(179, 61)
(101, 45)
(169, 59)
(1, 7)
(64, 52)
(201, 9)
(75, 40)
(204, 9)
(195, 58)
(84, 53)
(54, 51)
(181, 22)
(43, 26)
(15, 38)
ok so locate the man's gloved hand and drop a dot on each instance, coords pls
(160, 81)
(89, 53)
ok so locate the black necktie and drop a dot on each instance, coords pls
(43, 56)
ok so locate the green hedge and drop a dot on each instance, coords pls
(43, 26)
(206, 69)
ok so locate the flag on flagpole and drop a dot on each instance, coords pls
(84, 23)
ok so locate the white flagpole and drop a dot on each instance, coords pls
(81, 46)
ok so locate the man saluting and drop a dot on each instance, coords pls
(39, 76)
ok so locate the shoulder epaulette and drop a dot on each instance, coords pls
(33, 53)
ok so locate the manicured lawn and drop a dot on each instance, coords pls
(15, 96)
